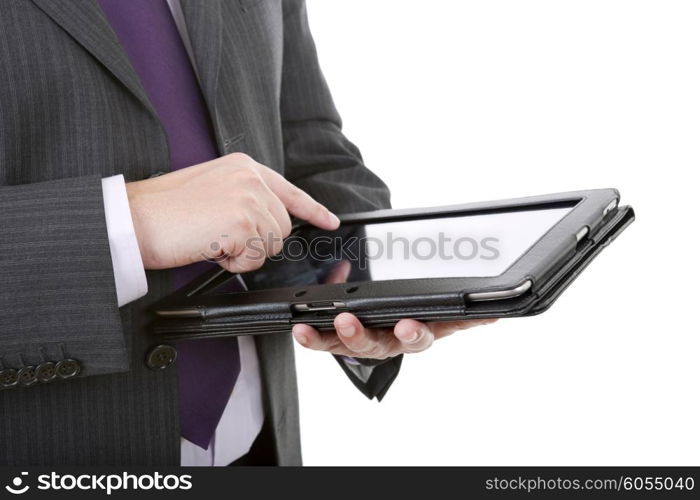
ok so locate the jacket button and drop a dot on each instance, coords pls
(8, 378)
(27, 376)
(67, 368)
(161, 357)
(46, 372)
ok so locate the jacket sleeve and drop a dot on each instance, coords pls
(58, 307)
(319, 158)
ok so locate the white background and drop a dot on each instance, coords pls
(457, 101)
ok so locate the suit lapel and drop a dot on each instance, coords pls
(86, 23)
(204, 26)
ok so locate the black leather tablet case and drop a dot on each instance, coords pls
(263, 312)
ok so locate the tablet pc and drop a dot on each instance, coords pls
(490, 259)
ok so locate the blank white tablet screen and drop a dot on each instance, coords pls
(465, 246)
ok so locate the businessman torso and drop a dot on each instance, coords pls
(72, 111)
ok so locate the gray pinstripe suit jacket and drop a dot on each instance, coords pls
(72, 111)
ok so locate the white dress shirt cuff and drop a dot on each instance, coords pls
(129, 274)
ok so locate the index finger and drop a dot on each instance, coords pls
(298, 202)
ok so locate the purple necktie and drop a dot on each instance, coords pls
(207, 369)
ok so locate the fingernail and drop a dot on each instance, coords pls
(413, 337)
(346, 331)
(301, 338)
(333, 219)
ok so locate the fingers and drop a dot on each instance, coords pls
(443, 329)
(245, 257)
(279, 212)
(311, 338)
(413, 335)
(261, 233)
(352, 339)
(297, 202)
(271, 236)
(363, 342)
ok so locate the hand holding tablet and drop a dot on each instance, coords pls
(352, 339)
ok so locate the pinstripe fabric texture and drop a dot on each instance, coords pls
(72, 111)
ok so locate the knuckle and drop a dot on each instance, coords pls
(286, 229)
(246, 263)
(317, 210)
(275, 246)
(243, 173)
(230, 247)
(239, 158)
(245, 226)
(255, 247)
(296, 197)
(248, 200)
(250, 180)
(285, 224)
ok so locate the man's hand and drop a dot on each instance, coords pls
(352, 339)
(231, 210)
